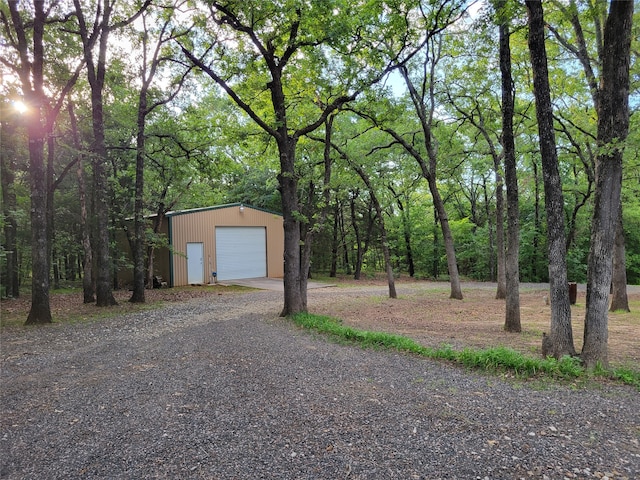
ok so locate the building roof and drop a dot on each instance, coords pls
(218, 207)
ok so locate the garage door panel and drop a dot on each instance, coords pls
(241, 252)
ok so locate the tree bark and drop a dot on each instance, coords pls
(357, 266)
(428, 167)
(311, 227)
(454, 276)
(559, 342)
(334, 240)
(383, 231)
(294, 297)
(9, 203)
(88, 283)
(537, 221)
(30, 71)
(138, 294)
(96, 70)
(40, 311)
(613, 127)
(501, 276)
(406, 230)
(619, 298)
(512, 258)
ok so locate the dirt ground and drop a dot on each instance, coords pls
(423, 312)
(430, 317)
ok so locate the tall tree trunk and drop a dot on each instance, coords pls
(40, 311)
(157, 223)
(51, 228)
(383, 231)
(294, 297)
(428, 166)
(88, 282)
(345, 246)
(501, 289)
(406, 230)
(490, 239)
(435, 263)
(333, 271)
(454, 276)
(96, 71)
(619, 298)
(9, 203)
(613, 127)
(313, 227)
(537, 221)
(559, 342)
(138, 294)
(104, 274)
(357, 266)
(512, 268)
(32, 83)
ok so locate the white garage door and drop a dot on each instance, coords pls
(241, 252)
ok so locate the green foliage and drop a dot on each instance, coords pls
(202, 150)
(494, 360)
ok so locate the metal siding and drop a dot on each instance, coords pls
(199, 226)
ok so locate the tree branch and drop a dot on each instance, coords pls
(230, 91)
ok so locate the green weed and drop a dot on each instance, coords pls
(494, 360)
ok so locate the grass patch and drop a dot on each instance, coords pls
(493, 360)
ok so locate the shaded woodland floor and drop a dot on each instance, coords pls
(423, 312)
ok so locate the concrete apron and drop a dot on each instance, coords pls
(268, 283)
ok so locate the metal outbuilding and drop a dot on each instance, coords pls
(223, 242)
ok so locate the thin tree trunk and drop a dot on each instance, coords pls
(613, 127)
(428, 166)
(619, 298)
(537, 221)
(356, 230)
(9, 202)
(435, 263)
(383, 231)
(345, 246)
(512, 258)
(333, 271)
(51, 229)
(491, 241)
(559, 342)
(406, 231)
(454, 276)
(311, 228)
(88, 284)
(501, 290)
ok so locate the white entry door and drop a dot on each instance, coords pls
(195, 263)
(241, 252)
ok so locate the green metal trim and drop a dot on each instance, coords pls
(170, 234)
(219, 207)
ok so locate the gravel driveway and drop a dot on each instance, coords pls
(224, 389)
